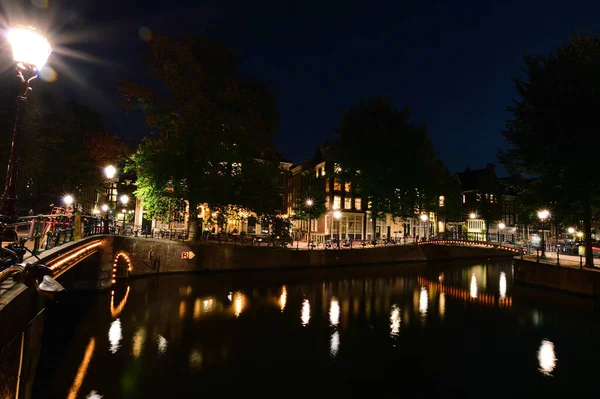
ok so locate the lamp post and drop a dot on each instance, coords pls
(543, 215)
(124, 201)
(110, 172)
(501, 226)
(30, 52)
(309, 204)
(424, 219)
(338, 215)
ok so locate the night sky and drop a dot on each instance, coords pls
(450, 62)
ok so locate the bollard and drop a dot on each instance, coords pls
(38, 235)
(48, 239)
(537, 255)
(580, 261)
(557, 258)
(57, 240)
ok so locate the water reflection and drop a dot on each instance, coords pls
(93, 395)
(162, 344)
(116, 311)
(197, 308)
(473, 286)
(283, 298)
(334, 344)
(305, 315)
(115, 335)
(442, 305)
(502, 285)
(334, 312)
(423, 302)
(195, 359)
(238, 303)
(182, 310)
(547, 357)
(138, 342)
(394, 321)
(82, 371)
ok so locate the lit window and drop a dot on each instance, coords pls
(347, 203)
(464, 198)
(327, 185)
(317, 173)
(327, 202)
(337, 202)
(337, 185)
(323, 171)
(337, 168)
(442, 200)
(357, 204)
(347, 186)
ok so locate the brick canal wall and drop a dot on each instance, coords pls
(146, 256)
(569, 279)
(21, 318)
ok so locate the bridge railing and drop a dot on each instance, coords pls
(470, 243)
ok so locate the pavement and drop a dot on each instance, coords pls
(565, 260)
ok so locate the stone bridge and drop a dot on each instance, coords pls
(97, 262)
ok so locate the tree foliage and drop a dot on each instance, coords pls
(390, 161)
(212, 127)
(54, 159)
(551, 133)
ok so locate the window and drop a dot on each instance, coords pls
(347, 186)
(337, 168)
(327, 202)
(337, 202)
(323, 171)
(464, 198)
(317, 173)
(347, 203)
(357, 204)
(478, 197)
(442, 200)
(337, 185)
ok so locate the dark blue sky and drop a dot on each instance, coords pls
(450, 62)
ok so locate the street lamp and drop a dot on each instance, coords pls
(124, 200)
(424, 219)
(543, 215)
(110, 172)
(338, 215)
(68, 200)
(501, 226)
(30, 52)
(309, 203)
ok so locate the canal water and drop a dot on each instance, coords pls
(436, 330)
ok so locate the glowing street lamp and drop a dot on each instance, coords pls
(68, 200)
(30, 52)
(571, 230)
(104, 208)
(501, 226)
(543, 215)
(110, 171)
(424, 219)
(124, 200)
(309, 203)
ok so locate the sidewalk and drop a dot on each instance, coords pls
(565, 260)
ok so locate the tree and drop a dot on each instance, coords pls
(367, 154)
(558, 106)
(213, 128)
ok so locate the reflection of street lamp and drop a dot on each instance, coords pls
(30, 52)
(543, 215)
(501, 226)
(424, 219)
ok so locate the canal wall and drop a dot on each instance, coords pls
(568, 279)
(21, 318)
(147, 256)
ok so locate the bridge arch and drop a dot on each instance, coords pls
(121, 266)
